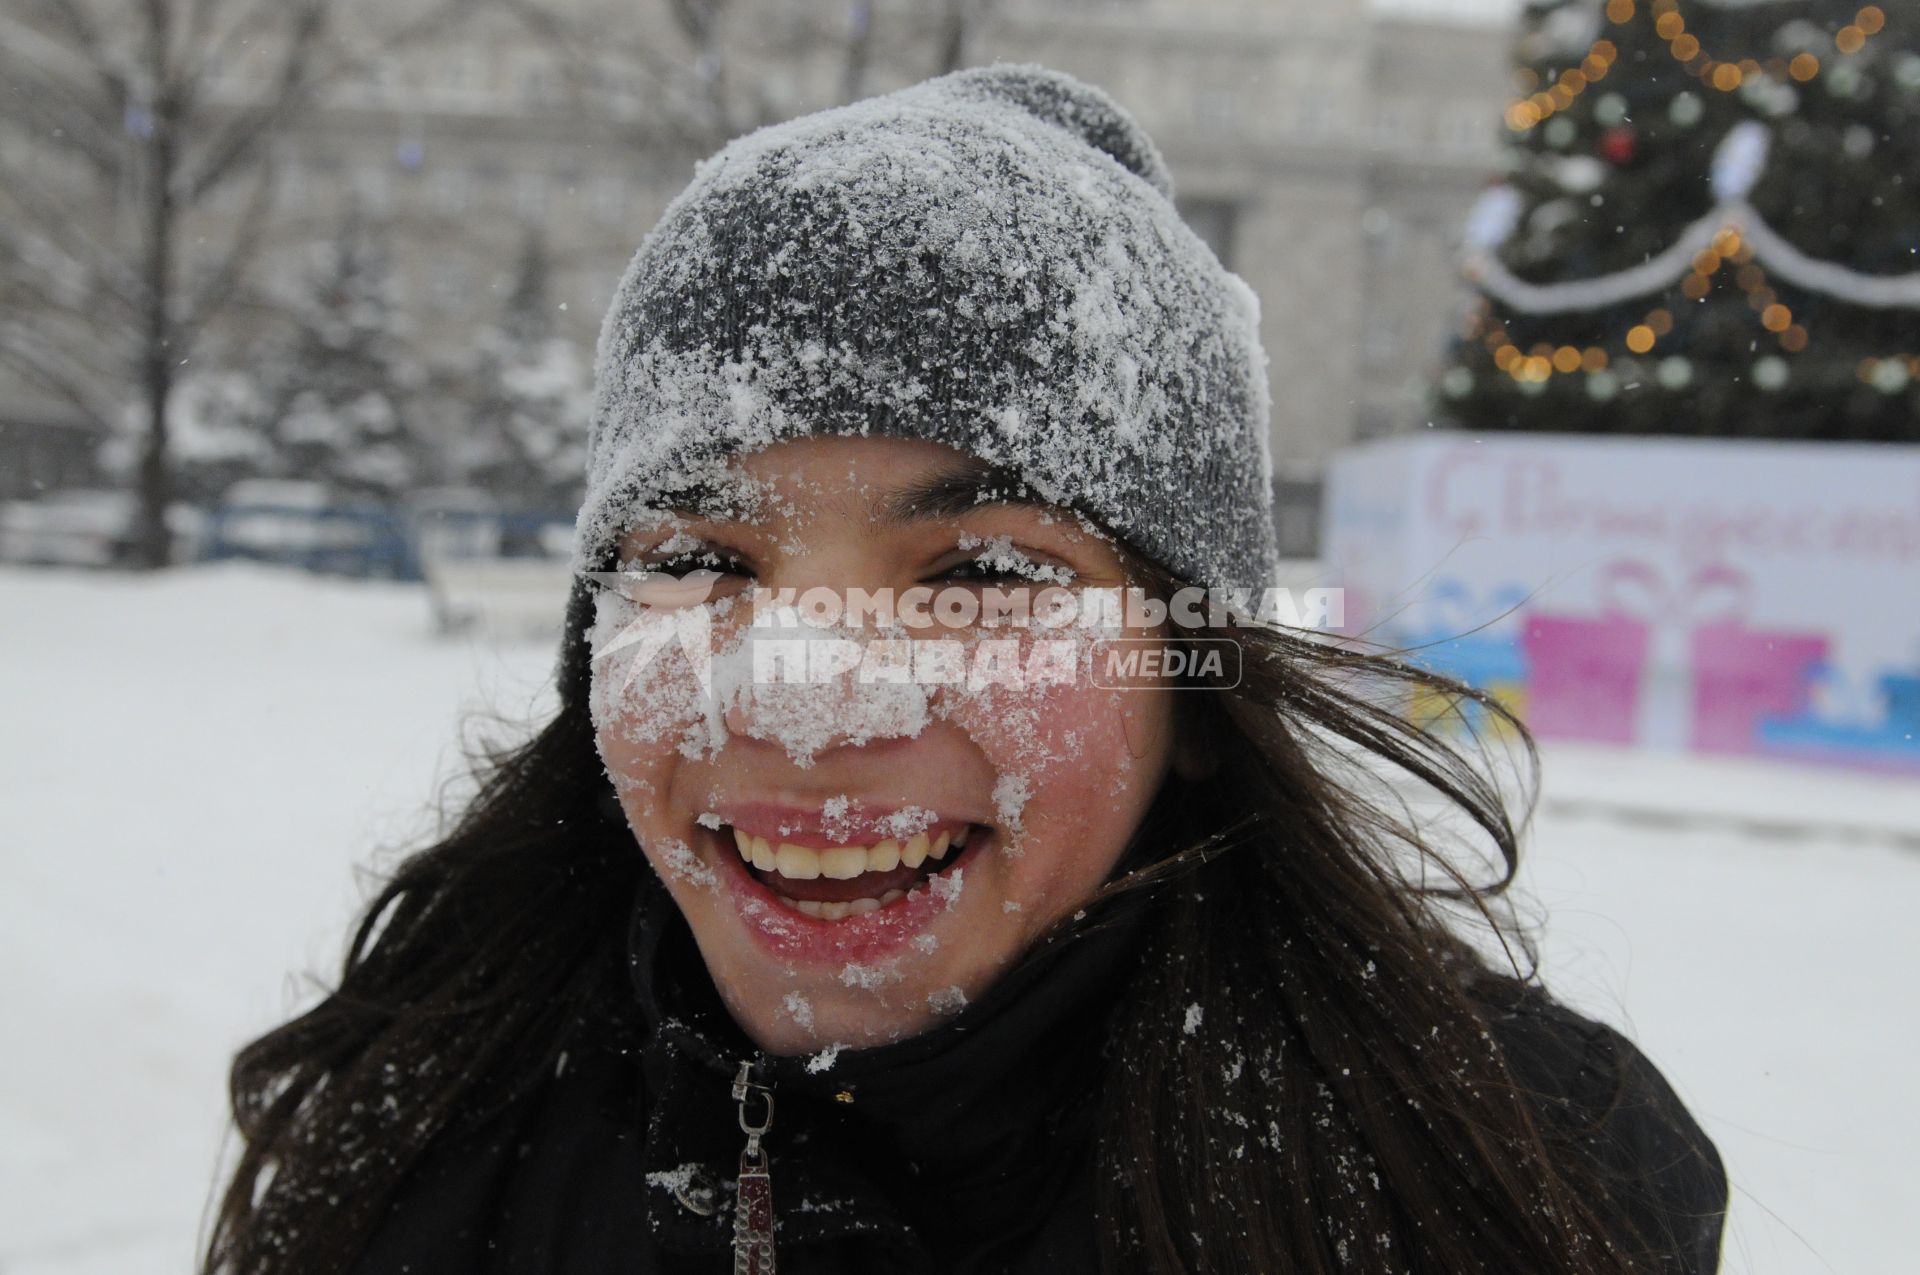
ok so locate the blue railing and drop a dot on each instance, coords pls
(374, 543)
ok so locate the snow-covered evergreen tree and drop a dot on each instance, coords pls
(1711, 225)
(342, 393)
(216, 422)
(530, 389)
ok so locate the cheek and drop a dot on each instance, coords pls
(647, 704)
(1071, 759)
(648, 695)
(637, 744)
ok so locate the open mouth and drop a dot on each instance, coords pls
(834, 882)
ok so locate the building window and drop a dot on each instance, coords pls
(461, 72)
(1372, 422)
(538, 84)
(376, 192)
(1313, 113)
(1469, 129)
(452, 288)
(530, 195)
(382, 75)
(1213, 220)
(313, 180)
(452, 190)
(203, 263)
(609, 201)
(1216, 106)
(1389, 123)
(1382, 343)
(1383, 236)
(490, 185)
(1296, 515)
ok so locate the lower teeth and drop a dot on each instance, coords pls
(832, 910)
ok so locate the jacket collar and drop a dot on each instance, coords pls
(964, 1134)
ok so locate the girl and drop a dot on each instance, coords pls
(873, 903)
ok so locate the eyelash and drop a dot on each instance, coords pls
(991, 574)
(704, 559)
(728, 563)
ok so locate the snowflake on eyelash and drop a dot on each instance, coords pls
(1001, 555)
(681, 541)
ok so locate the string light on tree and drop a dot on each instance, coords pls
(1771, 373)
(1541, 105)
(1889, 374)
(1606, 278)
(1724, 74)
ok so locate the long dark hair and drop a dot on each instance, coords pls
(1301, 1079)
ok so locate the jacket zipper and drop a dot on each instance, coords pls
(753, 1207)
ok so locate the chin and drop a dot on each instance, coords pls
(797, 1008)
(832, 1020)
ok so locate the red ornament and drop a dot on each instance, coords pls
(1619, 144)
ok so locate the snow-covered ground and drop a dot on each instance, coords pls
(194, 768)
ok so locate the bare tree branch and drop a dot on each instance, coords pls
(50, 367)
(46, 107)
(308, 64)
(29, 293)
(98, 305)
(248, 128)
(106, 62)
(240, 255)
(47, 217)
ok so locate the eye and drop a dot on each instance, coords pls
(680, 572)
(704, 558)
(978, 572)
(1001, 563)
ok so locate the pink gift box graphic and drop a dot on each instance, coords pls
(1584, 675)
(1664, 666)
(1742, 675)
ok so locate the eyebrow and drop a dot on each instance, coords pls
(955, 490)
(712, 501)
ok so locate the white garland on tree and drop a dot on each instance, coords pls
(1739, 160)
(1737, 165)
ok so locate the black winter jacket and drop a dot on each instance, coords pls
(965, 1149)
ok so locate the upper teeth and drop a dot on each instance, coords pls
(842, 863)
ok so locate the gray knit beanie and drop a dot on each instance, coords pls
(990, 259)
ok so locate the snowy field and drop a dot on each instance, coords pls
(195, 769)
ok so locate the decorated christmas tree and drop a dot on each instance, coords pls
(1710, 225)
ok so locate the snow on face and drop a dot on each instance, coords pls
(1058, 775)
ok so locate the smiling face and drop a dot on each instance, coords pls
(863, 851)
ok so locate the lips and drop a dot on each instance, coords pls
(812, 894)
(848, 872)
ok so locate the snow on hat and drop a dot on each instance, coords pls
(989, 259)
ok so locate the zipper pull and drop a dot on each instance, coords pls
(753, 1208)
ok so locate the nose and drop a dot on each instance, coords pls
(826, 692)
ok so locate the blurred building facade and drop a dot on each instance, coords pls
(1327, 153)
